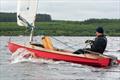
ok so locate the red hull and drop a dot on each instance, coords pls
(57, 55)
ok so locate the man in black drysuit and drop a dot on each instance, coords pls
(98, 45)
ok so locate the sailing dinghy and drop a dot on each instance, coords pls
(26, 13)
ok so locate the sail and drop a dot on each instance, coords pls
(26, 12)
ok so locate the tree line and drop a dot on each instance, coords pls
(11, 17)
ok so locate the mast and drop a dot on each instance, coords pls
(26, 14)
(31, 35)
(33, 27)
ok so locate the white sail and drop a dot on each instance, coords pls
(27, 10)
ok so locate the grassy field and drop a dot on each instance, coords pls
(63, 28)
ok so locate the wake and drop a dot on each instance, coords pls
(24, 55)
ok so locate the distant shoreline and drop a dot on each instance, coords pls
(63, 28)
(53, 36)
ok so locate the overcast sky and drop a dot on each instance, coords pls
(71, 9)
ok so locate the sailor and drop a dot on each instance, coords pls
(98, 45)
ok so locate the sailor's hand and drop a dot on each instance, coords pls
(89, 41)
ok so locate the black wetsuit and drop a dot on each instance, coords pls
(98, 45)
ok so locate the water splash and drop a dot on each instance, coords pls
(21, 55)
(24, 55)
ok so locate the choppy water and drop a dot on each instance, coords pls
(50, 70)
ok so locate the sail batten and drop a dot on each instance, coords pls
(26, 9)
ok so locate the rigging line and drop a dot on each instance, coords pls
(63, 43)
(25, 22)
(74, 48)
(77, 45)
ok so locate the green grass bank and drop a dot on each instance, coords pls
(63, 28)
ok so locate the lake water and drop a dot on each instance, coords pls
(50, 70)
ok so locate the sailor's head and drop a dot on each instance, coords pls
(99, 31)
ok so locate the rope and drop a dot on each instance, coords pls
(63, 43)
(70, 46)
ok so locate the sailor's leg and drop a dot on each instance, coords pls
(80, 51)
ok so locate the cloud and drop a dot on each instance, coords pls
(72, 9)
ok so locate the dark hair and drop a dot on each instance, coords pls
(100, 30)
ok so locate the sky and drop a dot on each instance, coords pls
(76, 10)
